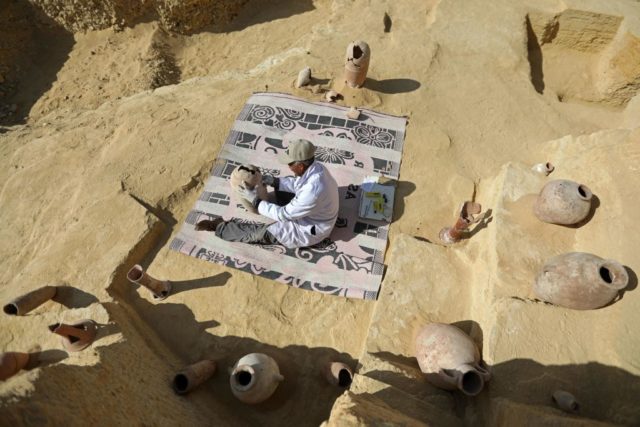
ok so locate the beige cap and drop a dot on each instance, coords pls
(298, 150)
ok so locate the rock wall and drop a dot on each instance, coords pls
(175, 15)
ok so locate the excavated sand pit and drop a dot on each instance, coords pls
(120, 112)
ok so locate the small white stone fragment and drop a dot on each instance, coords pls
(304, 77)
(353, 113)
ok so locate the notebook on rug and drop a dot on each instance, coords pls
(348, 263)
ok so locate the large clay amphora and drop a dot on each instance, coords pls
(580, 281)
(450, 359)
(254, 378)
(563, 202)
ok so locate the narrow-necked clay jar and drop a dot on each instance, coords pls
(357, 63)
(76, 336)
(543, 168)
(580, 281)
(11, 363)
(27, 302)
(450, 359)
(565, 401)
(563, 202)
(193, 375)
(254, 378)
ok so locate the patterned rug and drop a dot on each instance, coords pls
(350, 262)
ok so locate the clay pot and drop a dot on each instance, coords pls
(565, 401)
(466, 217)
(248, 176)
(338, 374)
(77, 336)
(11, 363)
(159, 289)
(27, 302)
(193, 375)
(543, 168)
(254, 378)
(580, 281)
(563, 202)
(357, 63)
(304, 77)
(450, 359)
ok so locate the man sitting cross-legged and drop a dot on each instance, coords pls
(306, 205)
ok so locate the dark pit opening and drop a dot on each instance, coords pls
(54, 327)
(11, 309)
(344, 378)
(180, 383)
(472, 383)
(605, 274)
(357, 52)
(243, 378)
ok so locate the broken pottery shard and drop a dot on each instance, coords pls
(450, 359)
(77, 336)
(193, 375)
(11, 363)
(465, 219)
(581, 281)
(254, 378)
(563, 202)
(543, 168)
(357, 63)
(338, 374)
(27, 302)
(248, 176)
(332, 96)
(353, 113)
(159, 289)
(304, 77)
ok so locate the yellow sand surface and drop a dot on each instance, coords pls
(111, 119)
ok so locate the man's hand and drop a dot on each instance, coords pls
(270, 180)
(250, 195)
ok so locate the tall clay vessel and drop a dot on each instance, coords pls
(27, 302)
(159, 289)
(11, 363)
(563, 202)
(357, 63)
(193, 375)
(77, 336)
(580, 281)
(254, 378)
(450, 359)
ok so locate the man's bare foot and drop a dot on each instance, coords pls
(208, 224)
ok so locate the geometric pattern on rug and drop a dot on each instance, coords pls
(350, 262)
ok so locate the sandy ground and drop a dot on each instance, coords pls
(111, 138)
